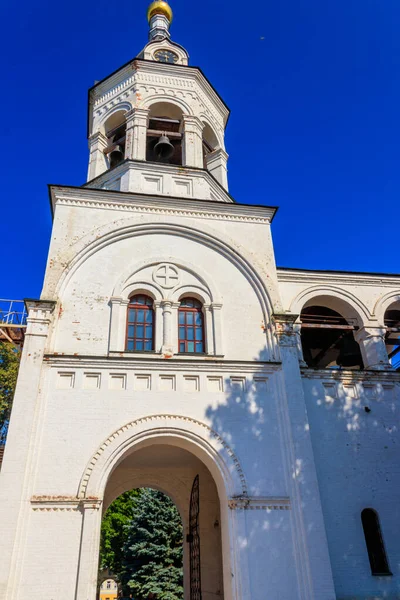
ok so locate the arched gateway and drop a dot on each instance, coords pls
(192, 464)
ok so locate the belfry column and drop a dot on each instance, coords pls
(192, 142)
(97, 160)
(217, 165)
(136, 133)
(372, 346)
(310, 544)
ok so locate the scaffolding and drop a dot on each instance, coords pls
(12, 321)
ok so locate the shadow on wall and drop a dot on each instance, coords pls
(356, 439)
(353, 421)
(246, 417)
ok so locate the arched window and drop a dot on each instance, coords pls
(140, 324)
(191, 326)
(374, 541)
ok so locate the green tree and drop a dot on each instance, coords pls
(114, 531)
(154, 549)
(9, 364)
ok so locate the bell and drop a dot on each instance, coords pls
(163, 149)
(116, 156)
(349, 353)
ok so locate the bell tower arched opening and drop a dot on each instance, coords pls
(210, 143)
(164, 134)
(115, 132)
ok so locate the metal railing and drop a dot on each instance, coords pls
(12, 313)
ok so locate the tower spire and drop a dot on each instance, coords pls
(159, 15)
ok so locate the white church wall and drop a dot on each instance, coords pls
(83, 318)
(239, 403)
(50, 539)
(356, 455)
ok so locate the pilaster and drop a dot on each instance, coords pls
(119, 307)
(371, 340)
(314, 574)
(88, 550)
(217, 328)
(21, 446)
(192, 142)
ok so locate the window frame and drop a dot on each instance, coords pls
(136, 306)
(193, 310)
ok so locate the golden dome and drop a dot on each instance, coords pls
(159, 7)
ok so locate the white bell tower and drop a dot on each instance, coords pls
(157, 125)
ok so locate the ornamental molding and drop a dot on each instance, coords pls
(311, 278)
(139, 70)
(341, 375)
(121, 87)
(44, 503)
(259, 503)
(226, 211)
(189, 76)
(161, 211)
(161, 419)
(208, 365)
(189, 175)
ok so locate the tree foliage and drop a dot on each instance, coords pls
(153, 553)
(114, 531)
(9, 364)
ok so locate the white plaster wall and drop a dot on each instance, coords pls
(244, 412)
(357, 461)
(84, 323)
(50, 563)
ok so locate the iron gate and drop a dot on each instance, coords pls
(194, 542)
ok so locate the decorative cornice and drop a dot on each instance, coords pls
(153, 419)
(41, 305)
(259, 503)
(44, 503)
(333, 278)
(206, 365)
(143, 71)
(145, 168)
(352, 376)
(165, 205)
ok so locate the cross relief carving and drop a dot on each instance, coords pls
(167, 276)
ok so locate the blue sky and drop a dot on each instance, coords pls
(314, 89)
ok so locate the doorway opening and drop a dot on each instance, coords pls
(161, 533)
